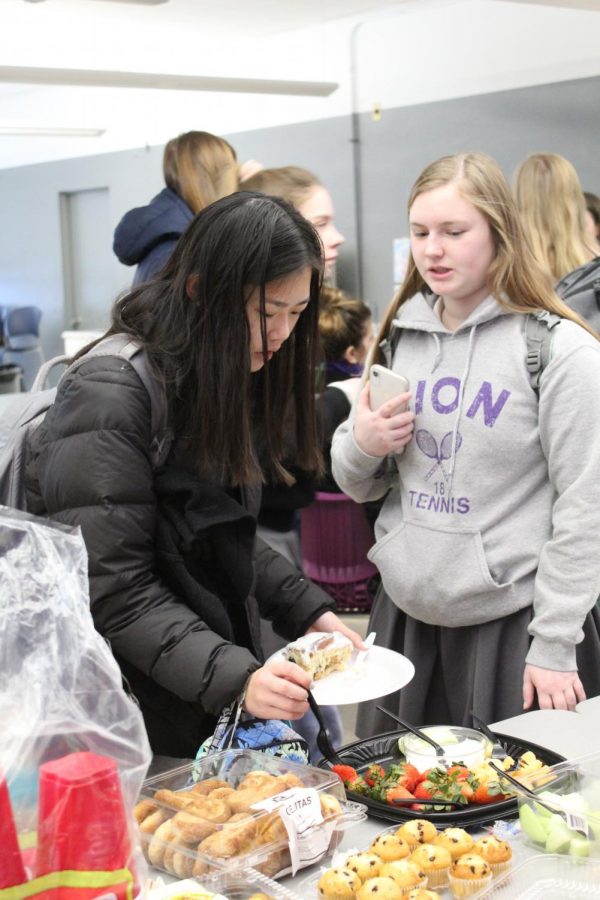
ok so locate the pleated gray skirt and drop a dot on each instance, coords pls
(478, 667)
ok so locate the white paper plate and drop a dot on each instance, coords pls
(383, 672)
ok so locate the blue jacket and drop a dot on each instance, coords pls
(146, 236)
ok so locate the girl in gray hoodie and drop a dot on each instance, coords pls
(488, 541)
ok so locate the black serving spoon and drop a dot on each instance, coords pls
(439, 750)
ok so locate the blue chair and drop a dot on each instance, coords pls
(21, 336)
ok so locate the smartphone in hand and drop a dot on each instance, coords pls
(384, 385)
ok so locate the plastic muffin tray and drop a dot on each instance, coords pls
(383, 749)
(548, 877)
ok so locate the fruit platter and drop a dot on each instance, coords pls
(381, 773)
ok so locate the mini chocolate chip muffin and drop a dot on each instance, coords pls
(469, 874)
(423, 894)
(390, 847)
(497, 853)
(456, 840)
(434, 861)
(417, 831)
(338, 884)
(366, 865)
(380, 888)
(405, 873)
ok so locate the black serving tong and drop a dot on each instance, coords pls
(575, 822)
(501, 749)
(439, 750)
(323, 742)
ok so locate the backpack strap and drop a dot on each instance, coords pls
(133, 352)
(538, 338)
(39, 382)
(389, 344)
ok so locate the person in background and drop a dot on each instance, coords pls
(278, 516)
(488, 541)
(552, 209)
(303, 190)
(229, 328)
(592, 217)
(346, 331)
(280, 503)
(198, 169)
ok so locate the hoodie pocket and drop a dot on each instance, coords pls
(440, 577)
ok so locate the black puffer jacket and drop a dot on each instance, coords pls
(90, 467)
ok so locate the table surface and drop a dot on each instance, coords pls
(572, 734)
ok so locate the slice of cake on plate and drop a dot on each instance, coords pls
(320, 653)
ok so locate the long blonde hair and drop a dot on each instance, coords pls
(552, 207)
(200, 168)
(292, 183)
(516, 280)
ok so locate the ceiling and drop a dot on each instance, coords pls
(242, 39)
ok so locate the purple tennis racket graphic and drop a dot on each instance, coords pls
(427, 444)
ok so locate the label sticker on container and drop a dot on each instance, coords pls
(578, 822)
(309, 835)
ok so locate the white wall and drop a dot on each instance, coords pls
(437, 51)
(433, 51)
(423, 51)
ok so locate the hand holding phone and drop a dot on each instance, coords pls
(384, 385)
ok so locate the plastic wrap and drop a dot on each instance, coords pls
(73, 747)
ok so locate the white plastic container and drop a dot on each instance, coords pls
(311, 800)
(570, 792)
(461, 745)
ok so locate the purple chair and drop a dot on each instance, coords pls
(335, 536)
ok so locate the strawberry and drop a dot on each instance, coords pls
(410, 777)
(398, 793)
(424, 790)
(461, 772)
(346, 773)
(374, 774)
(488, 792)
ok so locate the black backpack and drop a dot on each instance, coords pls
(581, 290)
(22, 414)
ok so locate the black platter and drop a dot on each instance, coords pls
(383, 749)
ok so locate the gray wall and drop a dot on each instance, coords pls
(561, 118)
(509, 125)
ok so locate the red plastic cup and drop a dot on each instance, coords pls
(12, 870)
(82, 821)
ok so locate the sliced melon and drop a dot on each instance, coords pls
(579, 846)
(533, 826)
(559, 838)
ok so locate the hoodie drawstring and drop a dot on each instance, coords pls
(438, 352)
(463, 384)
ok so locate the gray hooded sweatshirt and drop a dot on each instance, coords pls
(495, 504)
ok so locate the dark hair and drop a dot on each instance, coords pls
(342, 322)
(193, 323)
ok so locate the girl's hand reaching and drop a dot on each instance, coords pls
(277, 691)
(384, 430)
(330, 622)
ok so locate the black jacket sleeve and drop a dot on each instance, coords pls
(285, 597)
(93, 470)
